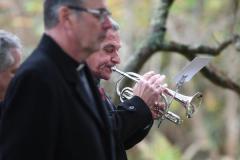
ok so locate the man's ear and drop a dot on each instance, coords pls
(65, 16)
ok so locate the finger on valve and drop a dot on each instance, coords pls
(147, 75)
(158, 108)
(159, 84)
(149, 88)
(157, 78)
(147, 93)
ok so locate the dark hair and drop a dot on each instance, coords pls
(51, 10)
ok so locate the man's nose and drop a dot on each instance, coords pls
(106, 23)
(116, 59)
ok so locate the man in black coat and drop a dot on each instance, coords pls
(50, 112)
(132, 119)
(10, 59)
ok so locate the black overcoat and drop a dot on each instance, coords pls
(131, 121)
(46, 114)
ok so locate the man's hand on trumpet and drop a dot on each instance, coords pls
(157, 109)
(149, 88)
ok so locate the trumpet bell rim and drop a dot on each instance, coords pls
(194, 104)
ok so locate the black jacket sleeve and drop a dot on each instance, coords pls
(134, 120)
(137, 137)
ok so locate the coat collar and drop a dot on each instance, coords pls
(67, 65)
(69, 68)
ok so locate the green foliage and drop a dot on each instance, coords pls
(33, 6)
(214, 5)
(181, 6)
(158, 148)
(142, 10)
(24, 18)
(115, 8)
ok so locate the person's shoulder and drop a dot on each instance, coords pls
(35, 70)
(37, 62)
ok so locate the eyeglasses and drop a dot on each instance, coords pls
(100, 13)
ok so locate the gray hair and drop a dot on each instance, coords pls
(51, 10)
(115, 25)
(8, 41)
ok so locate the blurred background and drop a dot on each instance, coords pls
(213, 132)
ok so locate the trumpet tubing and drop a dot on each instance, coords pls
(190, 103)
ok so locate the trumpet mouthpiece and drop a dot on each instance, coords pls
(114, 68)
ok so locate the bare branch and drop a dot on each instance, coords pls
(211, 73)
(156, 37)
(219, 78)
(187, 49)
(155, 43)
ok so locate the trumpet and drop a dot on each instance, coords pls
(190, 103)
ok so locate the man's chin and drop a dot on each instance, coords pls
(105, 77)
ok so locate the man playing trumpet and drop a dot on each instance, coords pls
(133, 118)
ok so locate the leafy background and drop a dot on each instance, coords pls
(213, 132)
